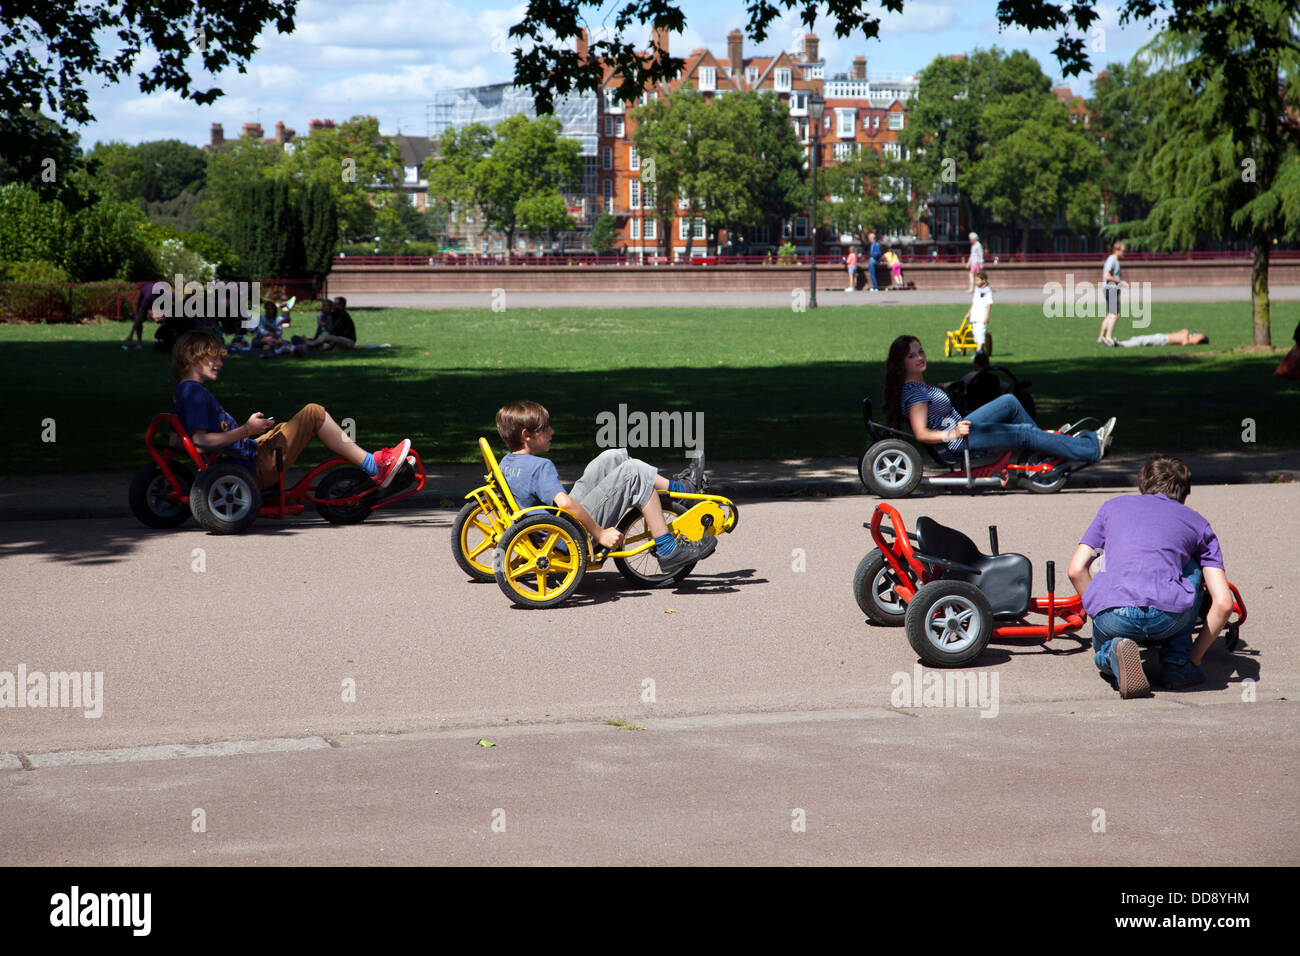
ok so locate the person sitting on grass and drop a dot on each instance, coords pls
(334, 328)
(1181, 337)
(196, 363)
(1160, 555)
(611, 485)
(1002, 423)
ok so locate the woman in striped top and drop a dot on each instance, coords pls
(1002, 423)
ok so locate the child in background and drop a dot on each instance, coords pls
(980, 305)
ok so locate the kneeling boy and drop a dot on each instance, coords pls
(196, 361)
(611, 485)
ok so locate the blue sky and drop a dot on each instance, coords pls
(385, 58)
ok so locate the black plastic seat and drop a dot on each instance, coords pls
(1007, 580)
(957, 460)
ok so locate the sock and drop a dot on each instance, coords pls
(665, 545)
(676, 486)
(369, 466)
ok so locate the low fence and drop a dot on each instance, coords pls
(78, 301)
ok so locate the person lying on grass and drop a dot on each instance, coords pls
(1181, 337)
(196, 363)
(611, 485)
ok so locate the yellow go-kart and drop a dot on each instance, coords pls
(963, 340)
(538, 555)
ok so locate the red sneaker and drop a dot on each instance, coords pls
(389, 460)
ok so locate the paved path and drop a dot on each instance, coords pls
(771, 695)
(825, 297)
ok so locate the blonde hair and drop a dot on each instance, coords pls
(193, 347)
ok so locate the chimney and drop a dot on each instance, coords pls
(859, 67)
(279, 132)
(810, 48)
(580, 44)
(659, 38)
(218, 135)
(252, 131)
(736, 53)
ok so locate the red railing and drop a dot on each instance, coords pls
(634, 258)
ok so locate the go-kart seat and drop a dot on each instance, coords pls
(957, 459)
(1005, 579)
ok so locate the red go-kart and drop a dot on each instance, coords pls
(225, 499)
(952, 599)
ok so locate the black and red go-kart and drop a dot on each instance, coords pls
(952, 599)
(225, 499)
(892, 467)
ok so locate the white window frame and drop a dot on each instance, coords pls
(781, 77)
(651, 229)
(608, 190)
(846, 122)
(751, 75)
(634, 228)
(708, 77)
(609, 126)
(612, 103)
(634, 194)
(633, 158)
(619, 127)
(681, 229)
(801, 227)
(895, 120)
(683, 202)
(799, 103)
(606, 157)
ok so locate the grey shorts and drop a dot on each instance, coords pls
(1112, 300)
(613, 484)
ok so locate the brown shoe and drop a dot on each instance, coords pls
(1127, 661)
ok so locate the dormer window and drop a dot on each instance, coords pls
(782, 77)
(751, 75)
(708, 79)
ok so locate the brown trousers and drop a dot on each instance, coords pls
(292, 437)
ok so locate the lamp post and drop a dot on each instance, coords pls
(816, 105)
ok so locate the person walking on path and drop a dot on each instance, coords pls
(873, 261)
(975, 263)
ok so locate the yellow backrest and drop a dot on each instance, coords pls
(494, 474)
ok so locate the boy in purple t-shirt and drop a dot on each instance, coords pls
(1159, 555)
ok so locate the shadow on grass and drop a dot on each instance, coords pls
(101, 400)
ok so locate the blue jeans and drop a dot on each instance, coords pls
(871, 271)
(1004, 423)
(1149, 625)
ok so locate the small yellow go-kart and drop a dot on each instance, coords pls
(538, 555)
(963, 340)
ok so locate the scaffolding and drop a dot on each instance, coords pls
(492, 104)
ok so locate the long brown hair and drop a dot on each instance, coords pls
(895, 375)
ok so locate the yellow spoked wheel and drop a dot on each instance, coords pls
(541, 560)
(643, 569)
(947, 346)
(472, 542)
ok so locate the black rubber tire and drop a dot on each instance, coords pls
(870, 579)
(464, 525)
(962, 636)
(225, 498)
(339, 483)
(1030, 480)
(547, 531)
(635, 569)
(891, 468)
(148, 496)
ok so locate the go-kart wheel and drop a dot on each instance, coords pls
(949, 623)
(1231, 636)
(890, 468)
(988, 344)
(643, 569)
(343, 483)
(225, 498)
(148, 496)
(1042, 482)
(873, 587)
(947, 346)
(472, 541)
(540, 559)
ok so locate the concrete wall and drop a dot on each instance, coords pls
(348, 279)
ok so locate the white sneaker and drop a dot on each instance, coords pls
(1104, 435)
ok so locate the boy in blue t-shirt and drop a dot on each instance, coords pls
(611, 485)
(196, 362)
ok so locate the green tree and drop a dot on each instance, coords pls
(320, 229)
(231, 170)
(1124, 104)
(1222, 160)
(37, 151)
(603, 233)
(359, 166)
(1034, 165)
(868, 192)
(268, 233)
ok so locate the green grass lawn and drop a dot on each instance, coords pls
(770, 382)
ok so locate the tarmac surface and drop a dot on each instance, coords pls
(317, 694)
